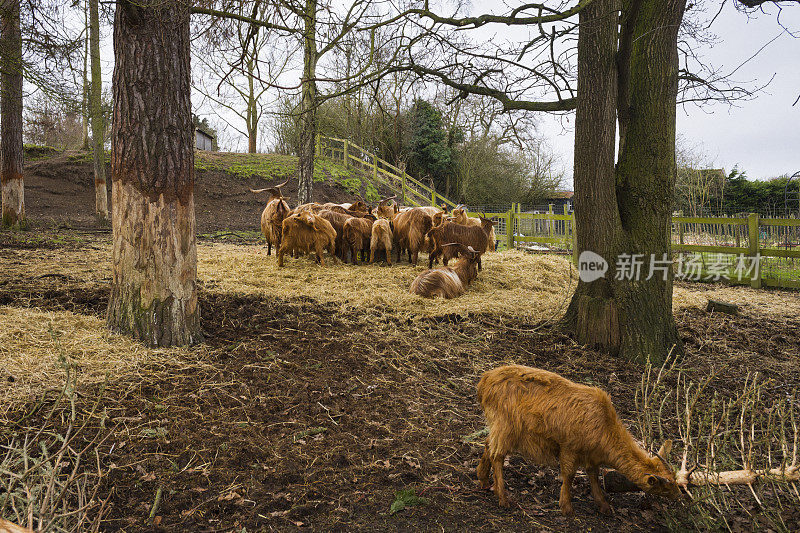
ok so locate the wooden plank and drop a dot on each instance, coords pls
(542, 240)
(711, 220)
(790, 222)
(543, 216)
(705, 248)
(781, 283)
(777, 252)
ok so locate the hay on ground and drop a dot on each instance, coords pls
(34, 343)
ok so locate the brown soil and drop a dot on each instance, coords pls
(59, 192)
(302, 415)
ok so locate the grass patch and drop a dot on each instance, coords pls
(272, 167)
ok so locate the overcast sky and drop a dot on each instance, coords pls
(761, 136)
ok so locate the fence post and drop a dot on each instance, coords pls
(346, 158)
(510, 229)
(566, 235)
(753, 237)
(574, 240)
(550, 221)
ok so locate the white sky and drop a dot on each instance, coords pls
(761, 136)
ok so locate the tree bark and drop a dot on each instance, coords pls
(13, 190)
(154, 289)
(85, 99)
(98, 122)
(627, 210)
(252, 108)
(308, 106)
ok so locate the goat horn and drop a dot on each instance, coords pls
(256, 191)
(282, 184)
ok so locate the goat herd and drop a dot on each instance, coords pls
(348, 230)
(537, 413)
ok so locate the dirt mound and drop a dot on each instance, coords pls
(59, 188)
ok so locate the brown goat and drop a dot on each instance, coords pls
(552, 420)
(410, 228)
(311, 207)
(337, 220)
(386, 211)
(448, 282)
(357, 235)
(307, 232)
(272, 217)
(381, 239)
(460, 217)
(477, 237)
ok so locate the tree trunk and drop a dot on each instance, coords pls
(98, 122)
(154, 289)
(308, 106)
(85, 99)
(252, 113)
(627, 211)
(13, 190)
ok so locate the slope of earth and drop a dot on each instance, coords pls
(59, 187)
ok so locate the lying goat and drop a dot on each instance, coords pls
(552, 420)
(448, 282)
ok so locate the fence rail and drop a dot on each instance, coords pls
(770, 246)
(412, 191)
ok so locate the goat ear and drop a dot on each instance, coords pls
(665, 449)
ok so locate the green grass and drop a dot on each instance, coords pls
(272, 167)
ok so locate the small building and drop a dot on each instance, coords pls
(559, 199)
(204, 139)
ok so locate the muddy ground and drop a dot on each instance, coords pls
(300, 415)
(59, 193)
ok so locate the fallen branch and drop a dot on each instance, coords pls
(737, 477)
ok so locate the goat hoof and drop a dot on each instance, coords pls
(484, 485)
(606, 509)
(567, 510)
(503, 501)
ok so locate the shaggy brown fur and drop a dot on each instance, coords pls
(272, 217)
(381, 239)
(357, 235)
(477, 237)
(410, 228)
(386, 210)
(460, 217)
(337, 220)
(311, 207)
(8, 527)
(552, 420)
(308, 233)
(448, 282)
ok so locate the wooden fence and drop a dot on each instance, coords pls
(409, 190)
(769, 246)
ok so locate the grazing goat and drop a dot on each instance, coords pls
(551, 420)
(460, 217)
(381, 239)
(307, 232)
(357, 235)
(448, 282)
(430, 209)
(477, 237)
(410, 228)
(272, 217)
